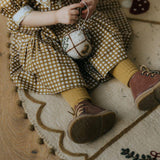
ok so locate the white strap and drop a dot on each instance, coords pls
(80, 28)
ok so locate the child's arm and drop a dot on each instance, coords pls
(65, 15)
(36, 18)
(21, 13)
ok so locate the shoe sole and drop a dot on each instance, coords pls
(87, 128)
(149, 99)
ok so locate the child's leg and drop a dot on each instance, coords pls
(144, 84)
(124, 71)
(90, 121)
(75, 96)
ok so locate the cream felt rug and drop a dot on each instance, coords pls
(134, 130)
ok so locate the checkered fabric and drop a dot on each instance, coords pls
(38, 62)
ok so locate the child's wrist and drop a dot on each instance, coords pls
(56, 17)
(53, 17)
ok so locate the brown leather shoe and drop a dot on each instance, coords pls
(89, 122)
(145, 86)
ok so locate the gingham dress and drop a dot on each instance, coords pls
(37, 60)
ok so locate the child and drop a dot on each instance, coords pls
(38, 62)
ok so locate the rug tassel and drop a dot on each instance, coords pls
(9, 56)
(16, 89)
(8, 45)
(9, 34)
(19, 103)
(40, 141)
(31, 127)
(52, 151)
(25, 116)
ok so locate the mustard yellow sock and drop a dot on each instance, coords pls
(75, 95)
(124, 71)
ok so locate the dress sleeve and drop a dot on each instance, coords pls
(15, 9)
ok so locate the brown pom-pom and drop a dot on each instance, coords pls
(52, 151)
(19, 103)
(9, 34)
(40, 141)
(31, 127)
(16, 89)
(25, 116)
(8, 45)
(9, 56)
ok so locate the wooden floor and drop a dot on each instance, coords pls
(17, 141)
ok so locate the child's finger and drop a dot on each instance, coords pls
(85, 11)
(74, 17)
(76, 5)
(75, 12)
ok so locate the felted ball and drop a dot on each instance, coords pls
(77, 44)
(139, 6)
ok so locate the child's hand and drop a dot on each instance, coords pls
(68, 14)
(92, 7)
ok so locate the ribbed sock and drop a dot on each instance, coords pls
(75, 96)
(124, 71)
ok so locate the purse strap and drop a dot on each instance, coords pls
(80, 28)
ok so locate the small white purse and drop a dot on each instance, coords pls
(76, 43)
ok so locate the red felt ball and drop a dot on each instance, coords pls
(139, 6)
